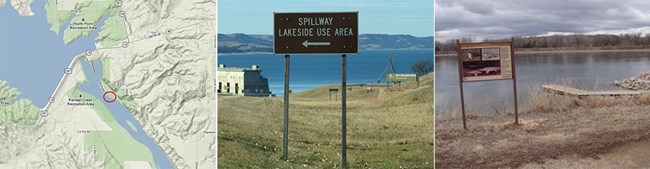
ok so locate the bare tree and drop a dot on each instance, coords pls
(422, 67)
(575, 41)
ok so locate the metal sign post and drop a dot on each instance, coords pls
(316, 33)
(344, 162)
(484, 62)
(285, 132)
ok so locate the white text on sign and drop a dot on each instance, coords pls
(318, 21)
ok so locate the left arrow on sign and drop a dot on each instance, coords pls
(306, 43)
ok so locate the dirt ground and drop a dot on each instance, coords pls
(609, 136)
(632, 155)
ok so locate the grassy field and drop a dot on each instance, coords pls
(385, 129)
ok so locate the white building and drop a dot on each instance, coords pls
(242, 81)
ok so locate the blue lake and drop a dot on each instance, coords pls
(589, 71)
(33, 58)
(308, 71)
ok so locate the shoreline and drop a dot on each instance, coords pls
(226, 54)
(558, 51)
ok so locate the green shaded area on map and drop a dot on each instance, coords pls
(113, 32)
(85, 19)
(20, 111)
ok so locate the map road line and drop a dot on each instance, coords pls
(65, 76)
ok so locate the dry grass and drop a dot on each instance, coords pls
(550, 127)
(385, 129)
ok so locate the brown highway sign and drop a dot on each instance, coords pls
(316, 33)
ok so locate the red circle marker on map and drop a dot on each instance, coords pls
(112, 93)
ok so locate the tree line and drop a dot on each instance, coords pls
(565, 42)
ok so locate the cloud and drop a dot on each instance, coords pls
(505, 18)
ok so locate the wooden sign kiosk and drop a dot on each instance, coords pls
(484, 62)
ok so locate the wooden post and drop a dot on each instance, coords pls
(460, 82)
(514, 77)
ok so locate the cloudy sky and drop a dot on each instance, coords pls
(414, 17)
(494, 19)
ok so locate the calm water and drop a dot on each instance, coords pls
(308, 71)
(583, 70)
(122, 115)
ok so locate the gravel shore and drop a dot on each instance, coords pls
(641, 82)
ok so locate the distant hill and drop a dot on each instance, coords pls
(243, 43)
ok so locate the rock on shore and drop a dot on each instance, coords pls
(641, 82)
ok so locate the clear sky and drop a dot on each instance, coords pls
(413, 17)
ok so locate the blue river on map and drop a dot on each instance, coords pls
(121, 114)
(33, 60)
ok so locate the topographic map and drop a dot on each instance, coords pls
(107, 84)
